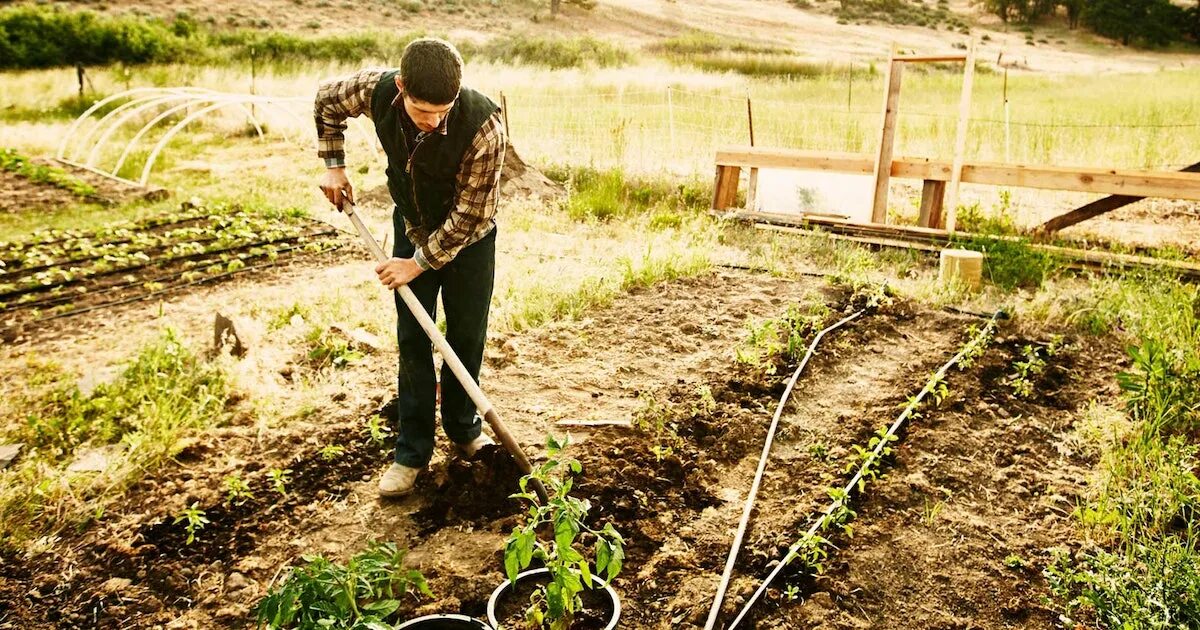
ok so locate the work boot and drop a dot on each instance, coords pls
(469, 449)
(398, 481)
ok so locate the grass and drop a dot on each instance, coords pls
(162, 395)
(1141, 566)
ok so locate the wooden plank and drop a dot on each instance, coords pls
(887, 140)
(933, 58)
(798, 159)
(1174, 185)
(960, 138)
(752, 189)
(725, 187)
(1095, 209)
(933, 194)
(937, 239)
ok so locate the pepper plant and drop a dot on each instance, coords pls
(555, 604)
(365, 593)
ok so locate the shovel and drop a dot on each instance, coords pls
(460, 371)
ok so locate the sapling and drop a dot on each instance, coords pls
(237, 491)
(330, 452)
(194, 520)
(280, 478)
(555, 604)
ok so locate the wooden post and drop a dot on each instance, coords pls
(750, 119)
(933, 194)
(79, 76)
(887, 137)
(752, 190)
(504, 112)
(960, 138)
(725, 187)
(671, 117)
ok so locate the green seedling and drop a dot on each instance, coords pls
(280, 478)
(193, 519)
(330, 452)
(237, 491)
(792, 592)
(556, 603)
(1013, 561)
(377, 430)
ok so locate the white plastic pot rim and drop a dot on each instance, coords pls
(596, 580)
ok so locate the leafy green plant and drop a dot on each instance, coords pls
(1014, 561)
(555, 604)
(365, 593)
(237, 491)
(280, 478)
(377, 430)
(1028, 369)
(657, 419)
(330, 452)
(193, 519)
(11, 161)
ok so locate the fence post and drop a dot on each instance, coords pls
(671, 117)
(1007, 137)
(750, 118)
(79, 76)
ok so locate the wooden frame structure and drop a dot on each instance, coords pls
(934, 191)
(941, 179)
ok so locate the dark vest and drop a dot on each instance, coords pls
(424, 182)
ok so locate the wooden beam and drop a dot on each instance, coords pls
(887, 139)
(933, 194)
(927, 238)
(933, 58)
(1095, 209)
(960, 137)
(1173, 185)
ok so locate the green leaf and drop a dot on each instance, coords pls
(603, 554)
(382, 608)
(555, 605)
(587, 574)
(614, 564)
(565, 531)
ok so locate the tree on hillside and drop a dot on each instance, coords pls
(1074, 11)
(1141, 22)
(1192, 28)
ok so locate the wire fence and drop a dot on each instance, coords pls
(679, 130)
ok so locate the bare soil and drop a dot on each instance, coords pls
(987, 457)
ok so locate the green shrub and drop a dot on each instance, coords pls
(42, 37)
(1010, 263)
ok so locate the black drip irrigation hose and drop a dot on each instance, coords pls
(871, 458)
(762, 466)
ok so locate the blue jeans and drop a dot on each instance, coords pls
(466, 287)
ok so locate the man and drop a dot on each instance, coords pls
(445, 147)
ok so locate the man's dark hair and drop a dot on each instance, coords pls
(431, 70)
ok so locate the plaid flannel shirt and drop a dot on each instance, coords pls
(474, 214)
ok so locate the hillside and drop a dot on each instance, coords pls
(813, 32)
